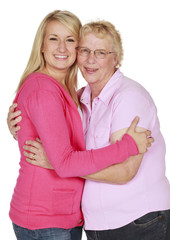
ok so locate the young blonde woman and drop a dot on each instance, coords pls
(46, 203)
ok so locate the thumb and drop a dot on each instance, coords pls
(134, 124)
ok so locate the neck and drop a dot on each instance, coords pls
(97, 87)
(59, 76)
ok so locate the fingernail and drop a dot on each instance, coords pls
(18, 119)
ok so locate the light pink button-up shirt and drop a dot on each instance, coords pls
(107, 206)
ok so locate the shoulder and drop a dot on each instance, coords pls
(131, 90)
(42, 81)
(38, 82)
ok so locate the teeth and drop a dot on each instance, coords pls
(91, 69)
(60, 56)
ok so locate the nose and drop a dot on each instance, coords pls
(62, 46)
(91, 57)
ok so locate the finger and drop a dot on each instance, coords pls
(17, 128)
(12, 107)
(30, 149)
(15, 136)
(33, 162)
(151, 140)
(13, 123)
(148, 133)
(16, 114)
(29, 155)
(33, 143)
(13, 115)
(134, 123)
(14, 131)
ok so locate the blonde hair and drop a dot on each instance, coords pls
(36, 61)
(101, 29)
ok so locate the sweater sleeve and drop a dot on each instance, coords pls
(46, 111)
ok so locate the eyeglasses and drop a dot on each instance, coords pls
(98, 53)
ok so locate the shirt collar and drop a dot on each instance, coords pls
(107, 92)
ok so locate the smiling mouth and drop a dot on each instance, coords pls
(60, 57)
(91, 70)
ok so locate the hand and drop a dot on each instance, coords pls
(36, 154)
(12, 119)
(142, 139)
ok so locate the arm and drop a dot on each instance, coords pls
(118, 173)
(115, 174)
(49, 120)
(129, 105)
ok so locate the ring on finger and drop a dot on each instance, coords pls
(33, 156)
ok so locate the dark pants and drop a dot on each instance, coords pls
(76, 233)
(152, 226)
(47, 233)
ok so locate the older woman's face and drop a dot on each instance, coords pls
(94, 70)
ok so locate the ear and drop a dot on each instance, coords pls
(115, 60)
(42, 48)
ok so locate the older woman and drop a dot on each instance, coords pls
(140, 209)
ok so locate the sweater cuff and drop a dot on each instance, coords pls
(132, 146)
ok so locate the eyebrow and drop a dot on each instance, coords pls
(57, 35)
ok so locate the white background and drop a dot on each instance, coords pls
(144, 27)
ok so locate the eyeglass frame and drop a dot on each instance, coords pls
(94, 52)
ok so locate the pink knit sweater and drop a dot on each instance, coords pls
(46, 198)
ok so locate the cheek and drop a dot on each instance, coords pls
(46, 49)
(72, 51)
(74, 56)
(107, 66)
(79, 62)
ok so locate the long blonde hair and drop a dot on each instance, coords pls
(101, 29)
(36, 61)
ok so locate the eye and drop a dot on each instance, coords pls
(70, 40)
(53, 39)
(84, 50)
(101, 52)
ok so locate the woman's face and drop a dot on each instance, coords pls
(58, 47)
(97, 72)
